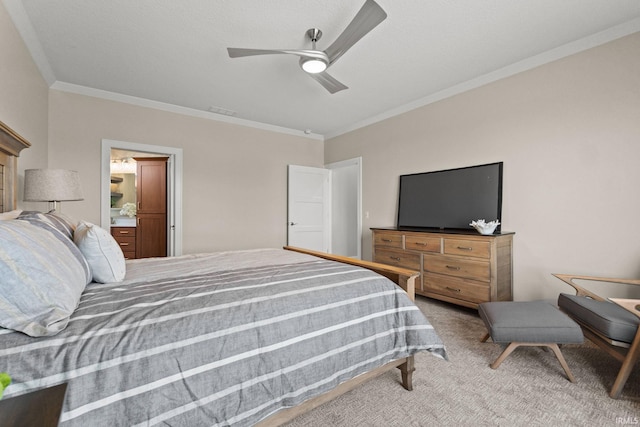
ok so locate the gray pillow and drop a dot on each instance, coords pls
(42, 279)
(51, 219)
(61, 230)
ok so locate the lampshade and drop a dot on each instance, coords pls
(51, 185)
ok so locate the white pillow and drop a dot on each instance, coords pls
(101, 251)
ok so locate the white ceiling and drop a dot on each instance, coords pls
(172, 54)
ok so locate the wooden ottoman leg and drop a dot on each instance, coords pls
(486, 337)
(563, 362)
(507, 351)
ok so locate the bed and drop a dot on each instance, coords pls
(227, 338)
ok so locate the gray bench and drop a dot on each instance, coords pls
(530, 323)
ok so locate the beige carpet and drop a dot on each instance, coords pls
(528, 389)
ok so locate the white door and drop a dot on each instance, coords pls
(309, 210)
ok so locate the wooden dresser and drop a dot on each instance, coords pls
(464, 268)
(126, 238)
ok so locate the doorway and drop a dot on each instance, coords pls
(346, 207)
(174, 186)
(325, 208)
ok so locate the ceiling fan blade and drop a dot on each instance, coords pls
(367, 18)
(237, 52)
(328, 82)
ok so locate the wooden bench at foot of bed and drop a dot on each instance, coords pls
(402, 277)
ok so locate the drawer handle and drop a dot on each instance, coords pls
(421, 244)
(124, 244)
(453, 267)
(453, 289)
(465, 248)
(387, 240)
(123, 232)
(397, 258)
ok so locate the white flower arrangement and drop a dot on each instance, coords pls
(128, 209)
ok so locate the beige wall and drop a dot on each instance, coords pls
(23, 98)
(569, 135)
(568, 132)
(235, 177)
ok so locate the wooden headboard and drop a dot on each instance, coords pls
(10, 146)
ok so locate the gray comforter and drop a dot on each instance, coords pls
(217, 339)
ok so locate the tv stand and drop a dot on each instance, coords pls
(461, 267)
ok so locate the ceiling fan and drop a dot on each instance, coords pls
(315, 62)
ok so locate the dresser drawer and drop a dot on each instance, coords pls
(458, 267)
(398, 258)
(470, 248)
(422, 243)
(123, 232)
(393, 240)
(464, 289)
(126, 243)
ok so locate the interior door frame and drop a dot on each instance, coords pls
(174, 187)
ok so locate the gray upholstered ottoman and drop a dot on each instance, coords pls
(531, 323)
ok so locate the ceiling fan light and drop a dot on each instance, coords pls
(313, 66)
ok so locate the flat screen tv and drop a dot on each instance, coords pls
(452, 198)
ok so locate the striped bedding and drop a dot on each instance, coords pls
(217, 339)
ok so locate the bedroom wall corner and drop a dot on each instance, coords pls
(24, 101)
(569, 135)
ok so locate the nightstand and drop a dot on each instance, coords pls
(39, 408)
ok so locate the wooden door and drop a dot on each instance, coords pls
(151, 193)
(151, 236)
(151, 190)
